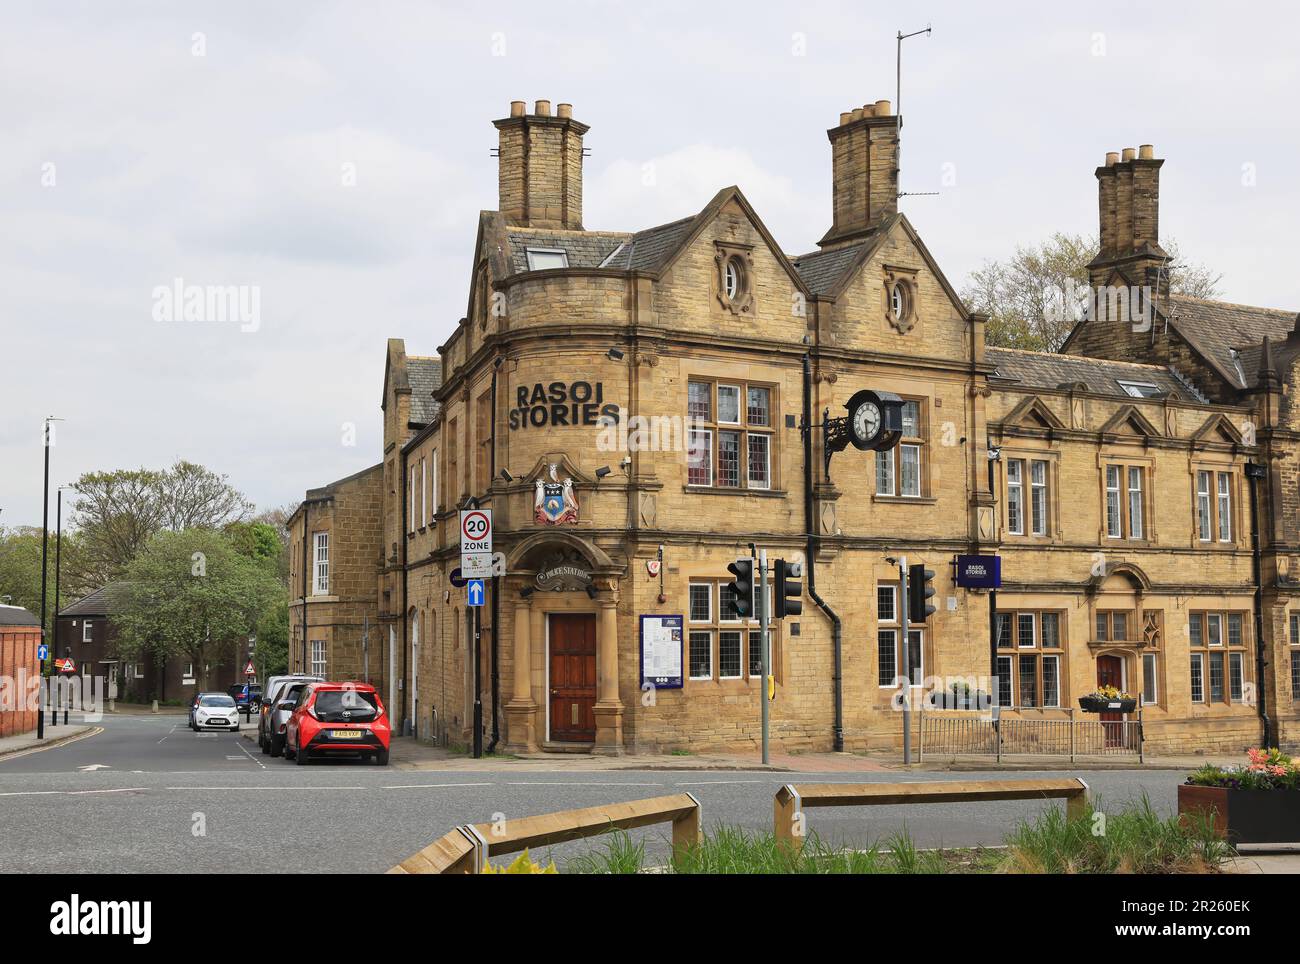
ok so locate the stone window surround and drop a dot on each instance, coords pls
(713, 427)
(908, 277)
(1036, 649)
(1127, 460)
(715, 625)
(726, 252)
(1028, 455)
(1235, 490)
(1204, 649)
(922, 442)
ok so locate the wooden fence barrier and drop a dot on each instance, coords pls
(466, 849)
(790, 825)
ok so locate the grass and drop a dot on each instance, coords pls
(1135, 840)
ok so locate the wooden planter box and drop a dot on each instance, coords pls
(1093, 704)
(1246, 816)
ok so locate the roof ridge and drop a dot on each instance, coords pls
(1230, 304)
(1060, 354)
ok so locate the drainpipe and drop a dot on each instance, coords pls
(837, 627)
(306, 536)
(993, 617)
(1254, 472)
(496, 609)
(402, 541)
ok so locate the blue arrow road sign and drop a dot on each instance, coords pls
(42, 652)
(474, 590)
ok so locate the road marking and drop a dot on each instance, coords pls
(258, 789)
(715, 783)
(242, 749)
(427, 786)
(94, 766)
(70, 793)
(571, 783)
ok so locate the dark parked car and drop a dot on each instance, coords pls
(245, 695)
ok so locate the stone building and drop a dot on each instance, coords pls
(630, 405)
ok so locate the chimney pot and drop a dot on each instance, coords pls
(1129, 153)
(1112, 158)
(563, 110)
(857, 114)
(517, 108)
(882, 108)
(846, 117)
(868, 110)
(542, 108)
(1146, 152)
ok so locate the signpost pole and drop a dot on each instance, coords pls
(907, 660)
(763, 617)
(478, 689)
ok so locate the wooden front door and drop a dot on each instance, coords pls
(573, 677)
(1110, 672)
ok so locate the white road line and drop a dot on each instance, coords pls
(259, 789)
(51, 746)
(574, 783)
(239, 741)
(175, 727)
(70, 793)
(429, 786)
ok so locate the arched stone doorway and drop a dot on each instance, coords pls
(562, 591)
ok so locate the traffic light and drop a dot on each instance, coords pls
(919, 590)
(741, 588)
(789, 589)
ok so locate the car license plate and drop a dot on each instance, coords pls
(218, 722)
(346, 734)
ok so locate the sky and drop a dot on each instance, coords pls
(330, 159)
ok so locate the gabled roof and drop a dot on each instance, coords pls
(98, 603)
(1131, 417)
(826, 272)
(1227, 334)
(1037, 370)
(647, 250)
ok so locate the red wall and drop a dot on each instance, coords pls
(18, 652)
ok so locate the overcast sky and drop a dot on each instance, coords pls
(144, 142)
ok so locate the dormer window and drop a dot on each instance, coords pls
(540, 259)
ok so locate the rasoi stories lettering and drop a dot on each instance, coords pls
(559, 404)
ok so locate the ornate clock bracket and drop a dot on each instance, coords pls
(837, 435)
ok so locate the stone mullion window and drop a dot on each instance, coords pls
(901, 472)
(721, 646)
(1215, 504)
(1126, 501)
(732, 438)
(1219, 647)
(889, 648)
(1295, 658)
(1031, 650)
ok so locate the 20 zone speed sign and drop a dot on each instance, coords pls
(475, 531)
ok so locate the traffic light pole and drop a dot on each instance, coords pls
(903, 598)
(763, 617)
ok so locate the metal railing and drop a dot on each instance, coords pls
(1031, 732)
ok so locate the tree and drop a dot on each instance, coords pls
(1029, 297)
(20, 569)
(271, 654)
(189, 594)
(118, 512)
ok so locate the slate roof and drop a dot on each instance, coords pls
(425, 376)
(822, 271)
(98, 603)
(1217, 329)
(17, 616)
(1035, 369)
(586, 249)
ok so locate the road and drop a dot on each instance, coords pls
(168, 800)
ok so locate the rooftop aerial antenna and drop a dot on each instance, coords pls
(898, 108)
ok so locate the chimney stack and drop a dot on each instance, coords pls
(1128, 201)
(864, 164)
(540, 166)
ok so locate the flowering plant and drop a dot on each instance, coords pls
(1110, 693)
(1268, 769)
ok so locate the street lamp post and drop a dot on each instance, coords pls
(45, 546)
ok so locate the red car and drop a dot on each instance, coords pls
(337, 718)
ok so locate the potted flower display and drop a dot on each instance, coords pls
(959, 696)
(1108, 699)
(1257, 803)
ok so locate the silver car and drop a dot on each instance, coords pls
(275, 711)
